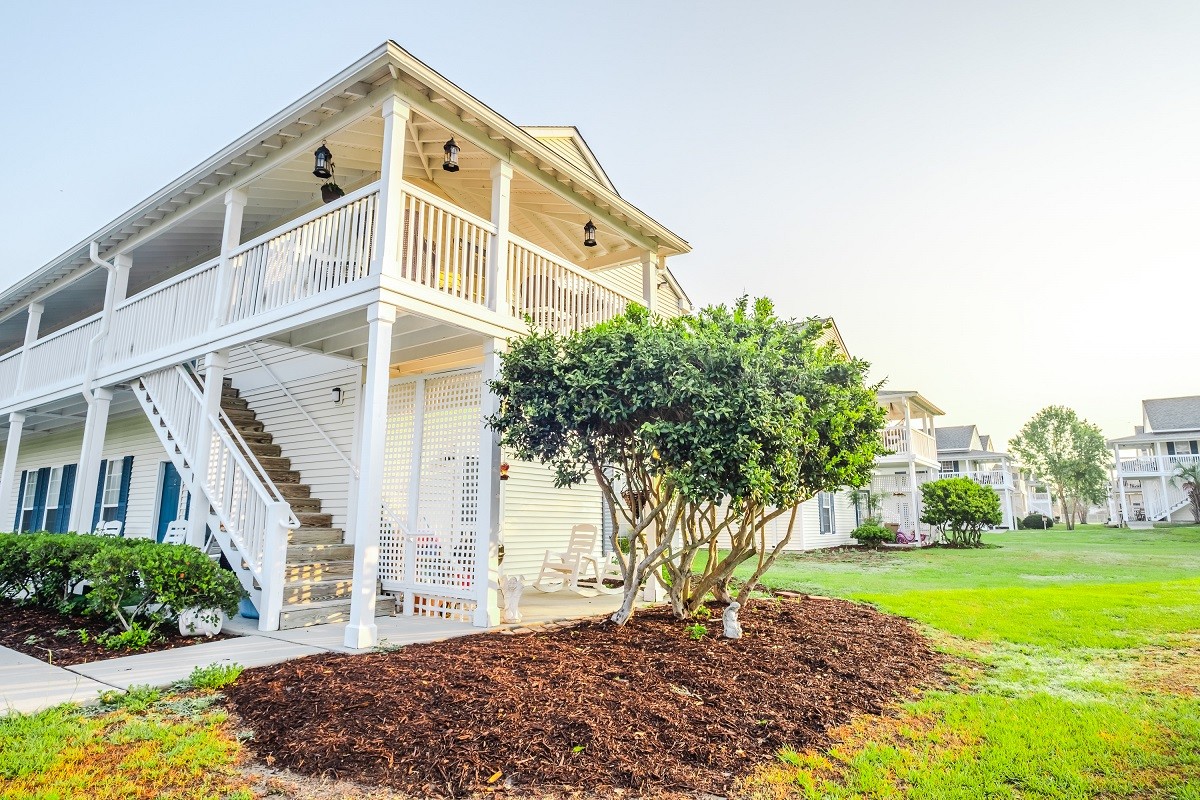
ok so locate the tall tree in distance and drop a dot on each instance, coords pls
(1067, 452)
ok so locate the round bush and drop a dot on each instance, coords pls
(872, 535)
(1034, 522)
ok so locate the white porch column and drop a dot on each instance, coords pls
(650, 281)
(1124, 518)
(497, 279)
(487, 542)
(389, 217)
(16, 424)
(84, 502)
(123, 263)
(361, 631)
(1161, 463)
(913, 494)
(33, 324)
(214, 377)
(231, 237)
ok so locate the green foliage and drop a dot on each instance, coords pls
(1069, 453)
(214, 676)
(136, 698)
(961, 508)
(136, 583)
(872, 534)
(696, 631)
(1189, 476)
(1037, 522)
(707, 425)
(135, 638)
(702, 612)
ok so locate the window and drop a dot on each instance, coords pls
(825, 504)
(53, 499)
(112, 491)
(28, 502)
(949, 466)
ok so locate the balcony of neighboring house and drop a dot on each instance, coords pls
(282, 256)
(909, 432)
(996, 478)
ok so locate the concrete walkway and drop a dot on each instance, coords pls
(27, 684)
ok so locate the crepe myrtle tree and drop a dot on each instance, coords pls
(1067, 452)
(700, 431)
(961, 509)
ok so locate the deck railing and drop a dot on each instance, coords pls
(60, 358)
(444, 247)
(10, 368)
(990, 477)
(556, 294)
(163, 314)
(1158, 464)
(897, 440)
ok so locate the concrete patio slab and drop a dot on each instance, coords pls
(27, 684)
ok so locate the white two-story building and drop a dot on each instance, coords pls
(910, 435)
(302, 368)
(1145, 464)
(966, 453)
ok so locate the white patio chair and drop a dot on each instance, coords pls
(567, 568)
(176, 532)
(111, 528)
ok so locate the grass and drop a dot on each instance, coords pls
(1077, 671)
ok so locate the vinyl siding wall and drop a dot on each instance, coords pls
(628, 278)
(538, 517)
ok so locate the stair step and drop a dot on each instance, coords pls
(300, 592)
(309, 553)
(316, 536)
(275, 463)
(318, 571)
(310, 519)
(245, 426)
(293, 491)
(303, 505)
(261, 449)
(234, 403)
(241, 415)
(329, 611)
(256, 437)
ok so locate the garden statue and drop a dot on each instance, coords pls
(733, 628)
(512, 586)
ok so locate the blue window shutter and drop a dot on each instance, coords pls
(66, 494)
(99, 493)
(1170, 448)
(20, 500)
(1195, 449)
(38, 523)
(123, 497)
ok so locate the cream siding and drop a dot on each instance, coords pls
(538, 517)
(311, 379)
(628, 278)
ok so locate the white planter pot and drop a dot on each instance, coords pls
(201, 621)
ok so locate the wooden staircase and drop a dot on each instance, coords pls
(320, 565)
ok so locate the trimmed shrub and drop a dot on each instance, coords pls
(1036, 522)
(961, 508)
(872, 534)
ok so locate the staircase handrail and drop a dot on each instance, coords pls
(316, 426)
(242, 456)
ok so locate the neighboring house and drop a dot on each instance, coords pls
(965, 453)
(911, 437)
(308, 380)
(1145, 463)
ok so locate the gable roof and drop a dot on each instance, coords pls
(568, 142)
(985, 442)
(1172, 413)
(955, 437)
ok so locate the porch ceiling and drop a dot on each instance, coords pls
(66, 413)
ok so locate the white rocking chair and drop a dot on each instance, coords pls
(176, 532)
(567, 569)
(111, 528)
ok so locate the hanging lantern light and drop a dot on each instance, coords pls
(323, 168)
(589, 234)
(451, 149)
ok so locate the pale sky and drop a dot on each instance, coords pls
(998, 202)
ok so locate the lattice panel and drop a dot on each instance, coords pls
(443, 607)
(397, 476)
(448, 501)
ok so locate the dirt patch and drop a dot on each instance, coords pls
(55, 638)
(644, 708)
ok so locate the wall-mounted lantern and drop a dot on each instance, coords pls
(589, 234)
(451, 149)
(338, 395)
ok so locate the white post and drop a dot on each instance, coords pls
(33, 324)
(497, 280)
(913, 502)
(414, 497)
(84, 502)
(389, 218)
(361, 631)
(231, 237)
(1124, 518)
(214, 378)
(16, 424)
(1161, 463)
(274, 566)
(487, 540)
(650, 281)
(123, 263)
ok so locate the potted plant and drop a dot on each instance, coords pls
(330, 191)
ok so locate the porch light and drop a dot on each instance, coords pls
(323, 168)
(451, 149)
(338, 395)
(589, 234)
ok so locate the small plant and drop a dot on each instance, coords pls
(214, 676)
(697, 631)
(790, 757)
(136, 698)
(871, 534)
(330, 191)
(135, 638)
(702, 612)
(84, 636)
(1037, 522)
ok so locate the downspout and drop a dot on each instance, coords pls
(110, 288)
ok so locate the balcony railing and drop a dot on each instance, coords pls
(997, 478)
(1165, 465)
(898, 440)
(556, 294)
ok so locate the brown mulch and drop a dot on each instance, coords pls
(54, 638)
(595, 707)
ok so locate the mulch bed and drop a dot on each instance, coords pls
(594, 707)
(53, 637)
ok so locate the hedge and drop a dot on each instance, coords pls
(134, 583)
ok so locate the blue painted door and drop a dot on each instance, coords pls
(168, 499)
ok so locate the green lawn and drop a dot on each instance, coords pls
(1077, 670)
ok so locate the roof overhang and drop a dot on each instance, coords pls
(915, 398)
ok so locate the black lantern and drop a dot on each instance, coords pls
(451, 162)
(323, 168)
(589, 234)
